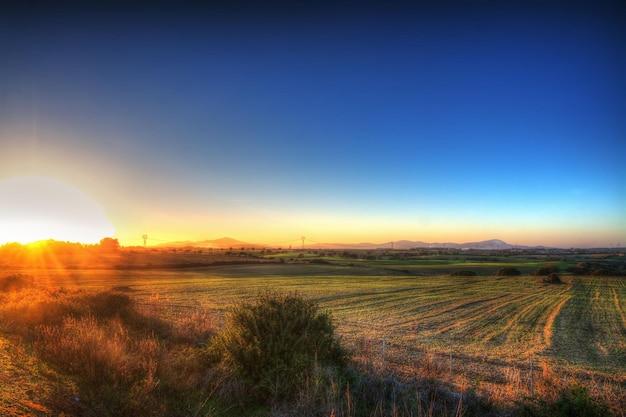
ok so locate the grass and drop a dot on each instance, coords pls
(500, 317)
(596, 309)
(112, 355)
(27, 384)
(151, 331)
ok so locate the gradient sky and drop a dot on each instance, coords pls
(432, 123)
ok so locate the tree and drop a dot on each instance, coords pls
(108, 244)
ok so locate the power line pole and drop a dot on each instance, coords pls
(303, 238)
(145, 240)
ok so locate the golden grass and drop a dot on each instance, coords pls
(117, 356)
(27, 385)
(154, 346)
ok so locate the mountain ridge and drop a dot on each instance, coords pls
(230, 243)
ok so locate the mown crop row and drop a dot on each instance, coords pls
(477, 332)
(580, 322)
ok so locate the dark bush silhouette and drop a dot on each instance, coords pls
(15, 282)
(546, 270)
(580, 269)
(509, 272)
(463, 273)
(274, 343)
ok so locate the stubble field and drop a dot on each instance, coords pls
(482, 333)
(581, 322)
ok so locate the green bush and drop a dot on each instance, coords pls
(580, 269)
(508, 272)
(546, 270)
(274, 343)
(463, 273)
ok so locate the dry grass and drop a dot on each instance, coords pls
(26, 384)
(136, 351)
(124, 359)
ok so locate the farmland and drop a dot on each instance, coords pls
(506, 318)
(410, 318)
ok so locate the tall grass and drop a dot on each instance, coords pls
(125, 357)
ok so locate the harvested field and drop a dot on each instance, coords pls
(476, 332)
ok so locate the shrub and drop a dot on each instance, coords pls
(553, 278)
(546, 270)
(275, 342)
(581, 268)
(463, 273)
(15, 282)
(508, 272)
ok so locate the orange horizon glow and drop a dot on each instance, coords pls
(35, 208)
(296, 242)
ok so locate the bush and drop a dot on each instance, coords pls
(463, 273)
(15, 282)
(509, 272)
(546, 270)
(553, 278)
(580, 269)
(275, 342)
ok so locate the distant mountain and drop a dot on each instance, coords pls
(493, 244)
(227, 243)
(222, 243)
(488, 244)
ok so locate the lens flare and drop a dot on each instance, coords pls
(39, 208)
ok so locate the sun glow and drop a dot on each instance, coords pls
(39, 208)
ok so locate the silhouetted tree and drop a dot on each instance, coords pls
(108, 244)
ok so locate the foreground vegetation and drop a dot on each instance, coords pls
(155, 342)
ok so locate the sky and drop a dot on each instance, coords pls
(439, 122)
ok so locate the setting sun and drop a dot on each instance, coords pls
(39, 208)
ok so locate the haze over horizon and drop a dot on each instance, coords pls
(447, 122)
(229, 242)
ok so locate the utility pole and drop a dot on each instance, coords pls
(145, 240)
(303, 238)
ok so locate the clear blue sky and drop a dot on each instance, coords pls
(378, 123)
